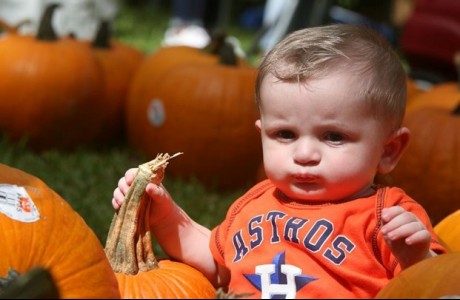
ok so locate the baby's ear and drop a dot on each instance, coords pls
(258, 125)
(393, 150)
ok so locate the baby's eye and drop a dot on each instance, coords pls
(334, 137)
(285, 135)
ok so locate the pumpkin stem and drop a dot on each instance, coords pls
(227, 55)
(129, 246)
(217, 41)
(13, 29)
(103, 34)
(45, 30)
(7, 27)
(456, 111)
(219, 46)
(37, 283)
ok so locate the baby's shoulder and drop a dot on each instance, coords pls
(395, 196)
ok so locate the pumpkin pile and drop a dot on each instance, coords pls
(201, 102)
(39, 229)
(57, 92)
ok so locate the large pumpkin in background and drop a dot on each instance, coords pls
(429, 169)
(188, 100)
(434, 278)
(40, 229)
(49, 89)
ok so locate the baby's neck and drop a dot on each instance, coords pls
(367, 191)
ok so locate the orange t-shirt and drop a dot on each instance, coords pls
(276, 247)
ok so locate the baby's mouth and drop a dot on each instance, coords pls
(305, 178)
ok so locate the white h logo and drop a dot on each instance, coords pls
(288, 289)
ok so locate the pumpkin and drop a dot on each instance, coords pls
(129, 248)
(413, 89)
(433, 278)
(41, 230)
(428, 171)
(202, 103)
(49, 88)
(261, 173)
(448, 231)
(119, 62)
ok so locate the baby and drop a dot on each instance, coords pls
(331, 102)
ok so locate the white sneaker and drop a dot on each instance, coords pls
(186, 35)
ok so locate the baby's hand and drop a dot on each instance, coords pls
(123, 185)
(160, 197)
(406, 235)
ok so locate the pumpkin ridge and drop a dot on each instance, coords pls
(170, 285)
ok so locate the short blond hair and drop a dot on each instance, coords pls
(315, 52)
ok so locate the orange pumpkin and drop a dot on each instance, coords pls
(184, 99)
(433, 278)
(40, 229)
(119, 62)
(49, 89)
(428, 171)
(412, 89)
(448, 231)
(168, 279)
(129, 248)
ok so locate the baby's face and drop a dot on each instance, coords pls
(319, 140)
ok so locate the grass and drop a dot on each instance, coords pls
(86, 178)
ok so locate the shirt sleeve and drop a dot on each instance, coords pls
(397, 196)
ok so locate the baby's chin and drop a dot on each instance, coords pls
(306, 193)
(303, 191)
(318, 194)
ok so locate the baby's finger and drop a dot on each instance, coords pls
(115, 204)
(399, 218)
(117, 199)
(390, 213)
(129, 175)
(119, 195)
(421, 236)
(157, 192)
(123, 185)
(403, 230)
